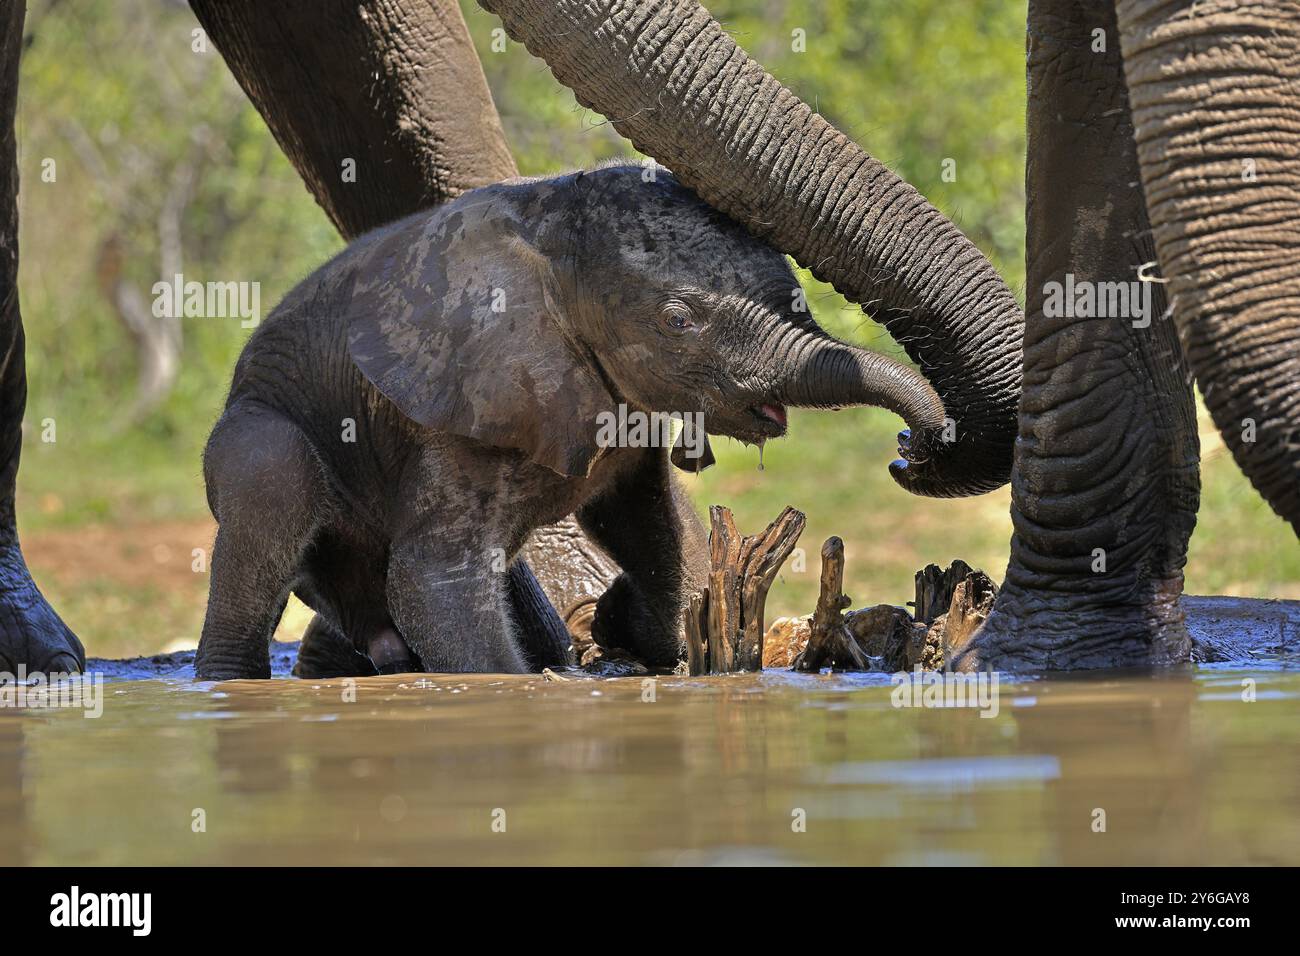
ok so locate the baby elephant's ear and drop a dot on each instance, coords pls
(454, 319)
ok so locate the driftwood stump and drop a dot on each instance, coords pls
(724, 622)
(831, 644)
(952, 603)
(934, 589)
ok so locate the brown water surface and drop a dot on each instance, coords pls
(431, 769)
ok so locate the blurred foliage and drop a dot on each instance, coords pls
(115, 93)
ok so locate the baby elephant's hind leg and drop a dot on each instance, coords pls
(325, 652)
(543, 637)
(266, 490)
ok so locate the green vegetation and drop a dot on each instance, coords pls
(137, 122)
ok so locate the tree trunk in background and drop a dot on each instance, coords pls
(396, 87)
(31, 633)
(1105, 485)
(1216, 99)
(673, 82)
(393, 85)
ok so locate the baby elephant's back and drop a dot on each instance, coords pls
(297, 360)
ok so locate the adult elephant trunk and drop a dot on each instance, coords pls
(824, 373)
(1215, 92)
(676, 85)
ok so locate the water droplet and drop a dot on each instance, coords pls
(761, 443)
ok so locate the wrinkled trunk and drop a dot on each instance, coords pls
(1215, 91)
(675, 84)
(825, 373)
(31, 633)
(1105, 486)
(392, 91)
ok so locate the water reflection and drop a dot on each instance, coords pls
(772, 768)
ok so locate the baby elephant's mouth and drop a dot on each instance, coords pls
(771, 416)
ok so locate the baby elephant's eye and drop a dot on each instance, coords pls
(677, 317)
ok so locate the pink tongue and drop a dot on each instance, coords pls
(774, 412)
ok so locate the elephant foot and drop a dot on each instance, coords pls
(325, 653)
(232, 666)
(626, 620)
(1036, 633)
(389, 653)
(32, 635)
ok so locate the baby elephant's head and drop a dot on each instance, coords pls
(686, 311)
(526, 314)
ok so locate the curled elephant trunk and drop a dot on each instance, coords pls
(824, 373)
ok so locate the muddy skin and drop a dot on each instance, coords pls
(404, 420)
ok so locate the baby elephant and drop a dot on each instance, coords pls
(407, 416)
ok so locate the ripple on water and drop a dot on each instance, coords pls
(775, 767)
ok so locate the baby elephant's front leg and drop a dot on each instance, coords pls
(646, 523)
(449, 604)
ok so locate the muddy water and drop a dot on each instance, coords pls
(712, 770)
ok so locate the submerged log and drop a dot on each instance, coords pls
(785, 641)
(831, 643)
(724, 622)
(883, 631)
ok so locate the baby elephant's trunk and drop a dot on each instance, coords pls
(825, 373)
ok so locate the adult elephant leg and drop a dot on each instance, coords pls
(675, 84)
(1215, 89)
(1105, 485)
(395, 87)
(381, 105)
(31, 633)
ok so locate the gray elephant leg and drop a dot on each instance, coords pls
(646, 523)
(394, 84)
(31, 633)
(449, 604)
(543, 636)
(264, 485)
(1105, 485)
(326, 652)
